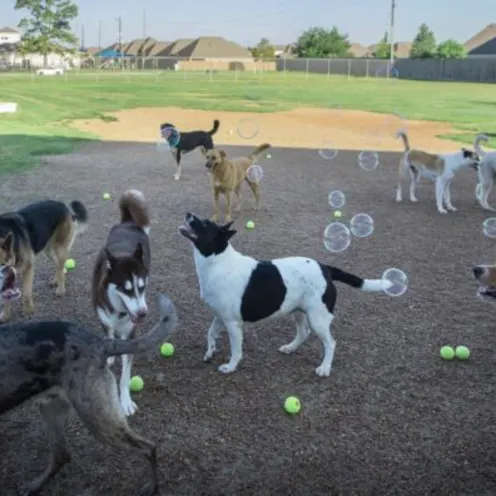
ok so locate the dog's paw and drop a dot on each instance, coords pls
(287, 349)
(209, 355)
(452, 208)
(226, 368)
(110, 361)
(414, 199)
(128, 406)
(149, 489)
(442, 211)
(59, 292)
(323, 370)
(177, 177)
(27, 306)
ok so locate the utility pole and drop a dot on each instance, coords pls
(391, 33)
(99, 35)
(144, 24)
(82, 38)
(119, 33)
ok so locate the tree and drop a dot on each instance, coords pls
(263, 50)
(424, 44)
(47, 28)
(383, 48)
(451, 49)
(322, 43)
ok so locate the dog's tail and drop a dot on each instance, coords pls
(369, 285)
(478, 139)
(134, 208)
(258, 151)
(402, 134)
(79, 215)
(215, 128)
(157, 335)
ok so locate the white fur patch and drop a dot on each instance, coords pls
(128, 285)
(131, 304)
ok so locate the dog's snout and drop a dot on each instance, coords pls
(142, 313)
(189, 216)
(478, 271)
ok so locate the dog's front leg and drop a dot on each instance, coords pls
(447, 196)
(27, 288)
(413, 186)
(177, 175)
(5, 313)
(235, 331)
(212, 335)
(215, 201)
(440, 184)
(128, 405)
(484, 196)
(228, 206)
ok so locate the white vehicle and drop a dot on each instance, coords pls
(50, 71)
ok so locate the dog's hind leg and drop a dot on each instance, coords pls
(302, 333)
(27, 287)
(414, 180)
(54, 412)
(447, 196)
(96, 401)
(320, 320)
(58, 250)
(440, 186)
(239, 198)
(128, 405)
(255, 188)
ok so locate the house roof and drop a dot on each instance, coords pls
(481, 38)
(358, 50)
(207, 47)
(158, 49)
(7, 30)
(92, 50)
(176, 46)
(139, 46)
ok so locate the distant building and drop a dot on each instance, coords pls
(482, 44)
(9, 35)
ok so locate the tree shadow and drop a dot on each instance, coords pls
(19, 152)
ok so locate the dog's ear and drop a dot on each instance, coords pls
(138, 253)
(222, 154)
(111, 260)
(8, 242)
(226, 227)
(227, 232)
(467, 153)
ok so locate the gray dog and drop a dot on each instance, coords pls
(68, 363)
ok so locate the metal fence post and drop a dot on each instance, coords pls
(328, 68)
(367, 68)
(284, 67)
(306, 67)
(211, 71)
(349, 68)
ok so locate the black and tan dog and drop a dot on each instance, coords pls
(65, 365)
(46, 226)
(189, 141)
(227, 176)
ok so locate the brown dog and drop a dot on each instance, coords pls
(227, 175)
(47, 226)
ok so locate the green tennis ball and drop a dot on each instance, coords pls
(70, 263)
(447, 353)
(106, 196)
(462, 352)
(292, 405)
(250, 224)
(268, 155)
(167, 349)
(338, 213)
(136, 384)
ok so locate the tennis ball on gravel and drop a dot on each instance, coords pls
(106, 196)
(250, 224)
(338, 213)
(136, 384)
(167, 349)
(462, 352)
(447, 353)
(70, 263)
(292, 405)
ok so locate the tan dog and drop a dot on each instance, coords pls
(227, 175)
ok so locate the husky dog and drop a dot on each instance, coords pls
(120, 279)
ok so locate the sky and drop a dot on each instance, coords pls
(281, 21)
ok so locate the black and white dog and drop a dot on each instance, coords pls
(240, 289)
(189, 141)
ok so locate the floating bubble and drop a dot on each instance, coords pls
(171, 135)
(399, 282)
(368, 160)
(336, 199)
(162, 145)
(247, 128)
(327, 151)
(337, 237)
(489, 227)
(254, 173)
(362, 225)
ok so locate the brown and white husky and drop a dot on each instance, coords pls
(120, 280)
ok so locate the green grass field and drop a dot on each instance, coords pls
(47, 104)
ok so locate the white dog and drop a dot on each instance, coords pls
(486, 172)
(240, 289)
(438, 168)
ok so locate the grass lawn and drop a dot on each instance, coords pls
(46, 105)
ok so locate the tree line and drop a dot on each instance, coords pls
(326, 43)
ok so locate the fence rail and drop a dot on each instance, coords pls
(466, 70)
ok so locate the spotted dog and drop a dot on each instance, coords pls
(240, 289)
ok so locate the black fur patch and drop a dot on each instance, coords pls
(264, 294)
(330, 294)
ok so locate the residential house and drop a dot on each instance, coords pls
(284, 51)
(359, 51)
(482, 44)
(9, 35)
(401, 50)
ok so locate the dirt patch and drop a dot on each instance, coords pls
(298, 128)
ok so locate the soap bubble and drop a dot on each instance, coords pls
(362, 225)
(489, 227)
(247, 128)
(336, 199)
(399, 282)
(337, 237)
(368, 160)
(254, 173)
(171, 135)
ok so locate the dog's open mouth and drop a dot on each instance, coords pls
(487, 292)
(186, 231)
(9, 290)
